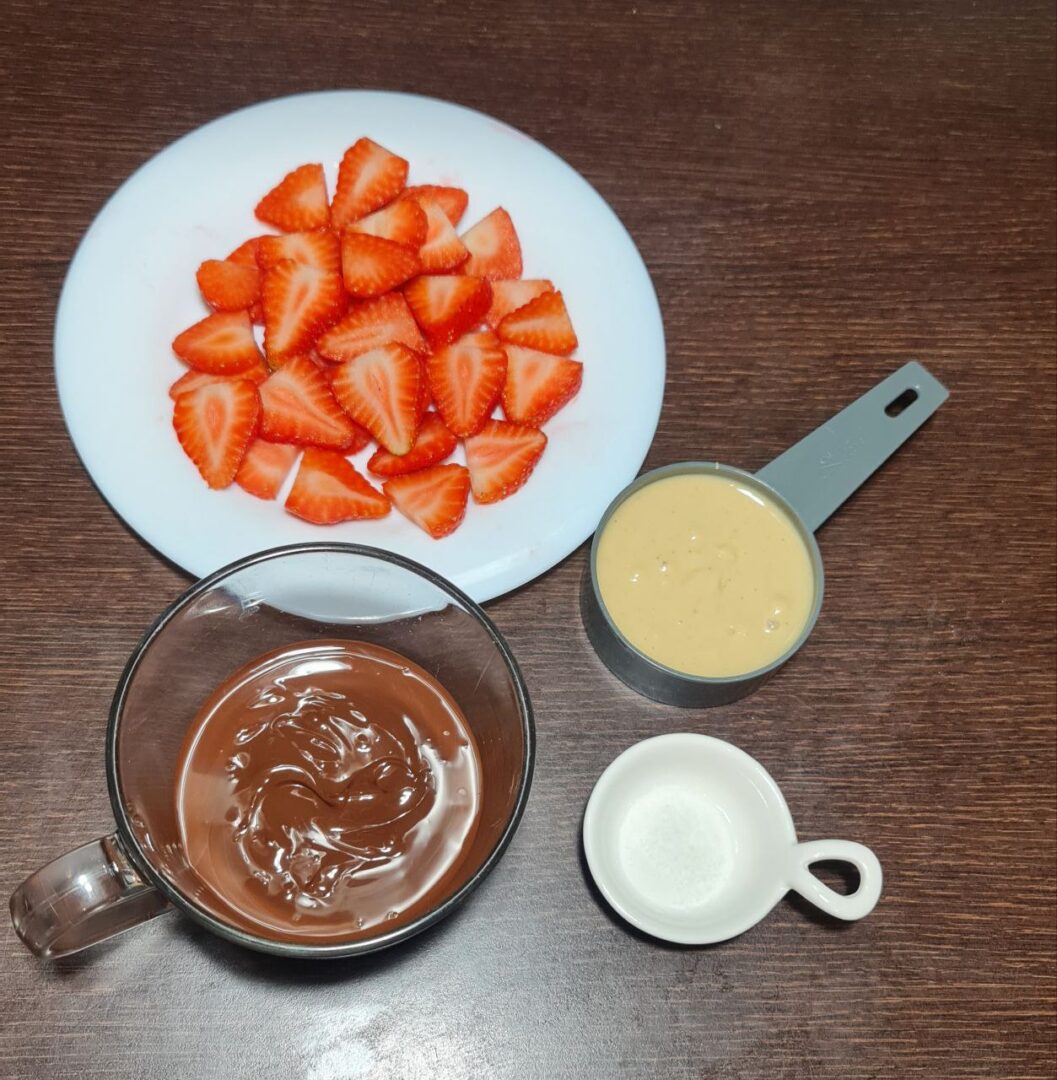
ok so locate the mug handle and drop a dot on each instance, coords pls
(83, 897)
(851, 907)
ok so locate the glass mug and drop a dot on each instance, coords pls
(260, 603)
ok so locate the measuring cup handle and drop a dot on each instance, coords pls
(851, 907)
(822, 470)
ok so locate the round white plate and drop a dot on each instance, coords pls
(131, 288)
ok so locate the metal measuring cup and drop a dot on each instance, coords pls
(809, 482)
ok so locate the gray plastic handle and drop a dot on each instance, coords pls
(826, 467)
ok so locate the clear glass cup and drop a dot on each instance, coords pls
(260, 603)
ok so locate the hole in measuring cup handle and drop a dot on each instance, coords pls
(854, 905)
(901, 403)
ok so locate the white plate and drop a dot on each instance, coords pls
(131, 289)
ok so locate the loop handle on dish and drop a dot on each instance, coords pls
(83, 897)
(851, 907)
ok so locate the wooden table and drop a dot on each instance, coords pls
(820, 191)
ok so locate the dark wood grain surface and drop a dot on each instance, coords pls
(820, 191)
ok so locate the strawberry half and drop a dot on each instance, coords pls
(447, 305)
(442, 248)
(265, 467)
(380, 390)
(369, 177)
(192, 380)
(297, 202)
(508, 296)
(501, 458)
(542, 324)
(403, 222)
(495, 251)
(299, 301)
(371, 266)
(327, 489)
(297, 406)
(466, 379)
(214, 424)
(434, 443)
(221, 344)
(434, 499)
(538, 384)
(368, 325)
(227, 285)
(451, 200)
(320, 249)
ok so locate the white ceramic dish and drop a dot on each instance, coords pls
(689, 839)
(130, 289)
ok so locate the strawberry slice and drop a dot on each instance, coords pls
(541, 324)
(466, 379)
(265, 467)
(447, 305)
(327, 489)
(403, 222)
(538, 384)
(320, 249)
(451, 200)
(501, 458)
(371, 265)
(214, 424)
(425, 392)
(228, 285)
(221, 344)
(368, 325)
(297, 202)
(495, 251)
(192, 380)
(246, 253)
(508, 296)
(442, 248)
(434, 443)
(299, 301)
(434, 499)
(297, 406)
(369, 177)
(380, 390)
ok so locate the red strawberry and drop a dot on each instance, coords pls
(372, 266)
(501, 458)
(192, 380)
(447, 305)
(368, 325)
(508, 296)
(298, 202)
(425, 392)
(442, 249)
(451, 200)
(538, 384)
(434, 499)
(299, 301)
(214, 424)
(466, 379)
(320, 249)
(265, 467)
(380, 390)
(403, 222)
(542, 324)
(369, 177)
(221, 344)
(495, 251)
(227, 285)
(246, 253)
(297, 406)
(327, 489)
(434, 443)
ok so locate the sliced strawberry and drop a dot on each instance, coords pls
(495, 251)
(466, 379)
(434, 499)
(221, 344)
(403, 222)
(265, 467)
(299, 302)
(214, 424)
(501, 458)
(246, 253)
(192, 380)
(368, 325)
(434, 443)
(451, 200)
(372, 266)
(369, 177)
(447, 305)
(425, 392)
(541, 324)
(227, 285)
(380, 390)
(327, 489)
(538, 384)
(442, 248)
(320, 249)
(297, 202)
(508, 296)
(297, 406)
